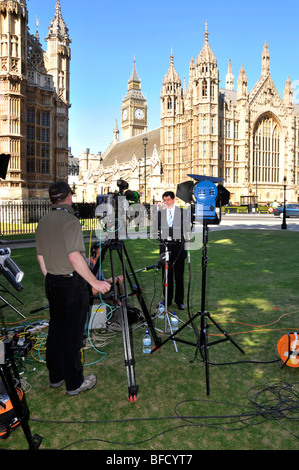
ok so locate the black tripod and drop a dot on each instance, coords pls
(203, 344)
(10, 378)
(121, 302)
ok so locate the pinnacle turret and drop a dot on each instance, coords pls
(230, 79)
(206, 55)
(58, 27)
(172, 75)
(266, 60)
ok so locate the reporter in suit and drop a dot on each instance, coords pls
(171, 227)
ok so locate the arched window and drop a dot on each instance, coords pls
(266, 151)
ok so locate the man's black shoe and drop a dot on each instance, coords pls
(181, 306)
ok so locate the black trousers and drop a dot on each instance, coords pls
(68, 303)
(177, 256)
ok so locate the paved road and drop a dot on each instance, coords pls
(252, 221)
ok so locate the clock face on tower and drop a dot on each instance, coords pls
(139, 113)
(125, 114)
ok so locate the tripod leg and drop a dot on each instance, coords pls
(129, 360)
(133, 388)
(204, 348)
(142, 303)
(167, 320)
(203, 327)
(203, 341)
(228, 338)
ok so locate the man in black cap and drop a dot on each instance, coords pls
(62, 259)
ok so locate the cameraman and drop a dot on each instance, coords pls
(61, 256)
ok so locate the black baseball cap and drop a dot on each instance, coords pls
(59, 191)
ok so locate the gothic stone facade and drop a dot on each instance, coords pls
(250, 139)
(34, 103)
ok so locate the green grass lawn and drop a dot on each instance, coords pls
(252, 293)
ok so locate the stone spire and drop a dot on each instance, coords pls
(242, 84)
(288, 94)
(206, 55)
(230, 79)
(171, 74)
(134, 76)
(171, 93)
(58, 27)
(134, 85)
(115, 133)
(266, 60)
(191, 69)
(59, 54)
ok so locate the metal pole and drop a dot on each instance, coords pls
(139, 174)
(145, 141)
(256, 149)
(284, 225)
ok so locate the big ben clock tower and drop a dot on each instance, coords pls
(133, 109)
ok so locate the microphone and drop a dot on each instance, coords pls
(151, 267)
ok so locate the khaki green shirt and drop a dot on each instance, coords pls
(58, 234)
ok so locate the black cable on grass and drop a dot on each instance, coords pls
(278, 401)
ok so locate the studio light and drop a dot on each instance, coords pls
(206, 200)
(205, 197)
(10, 270)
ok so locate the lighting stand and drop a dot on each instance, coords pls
(203, 344)
(121, 302)
(167, 322)
(167, 314)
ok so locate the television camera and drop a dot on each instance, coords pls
(108, 201)
(114, 209)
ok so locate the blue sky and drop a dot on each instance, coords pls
(107, 35)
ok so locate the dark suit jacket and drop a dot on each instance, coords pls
(174, 235)
(177, 231)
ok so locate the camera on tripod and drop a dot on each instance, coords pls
(108, 204)
(114, 210)
(205, 197)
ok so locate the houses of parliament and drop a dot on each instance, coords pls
(249, 138)
(34, 103)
